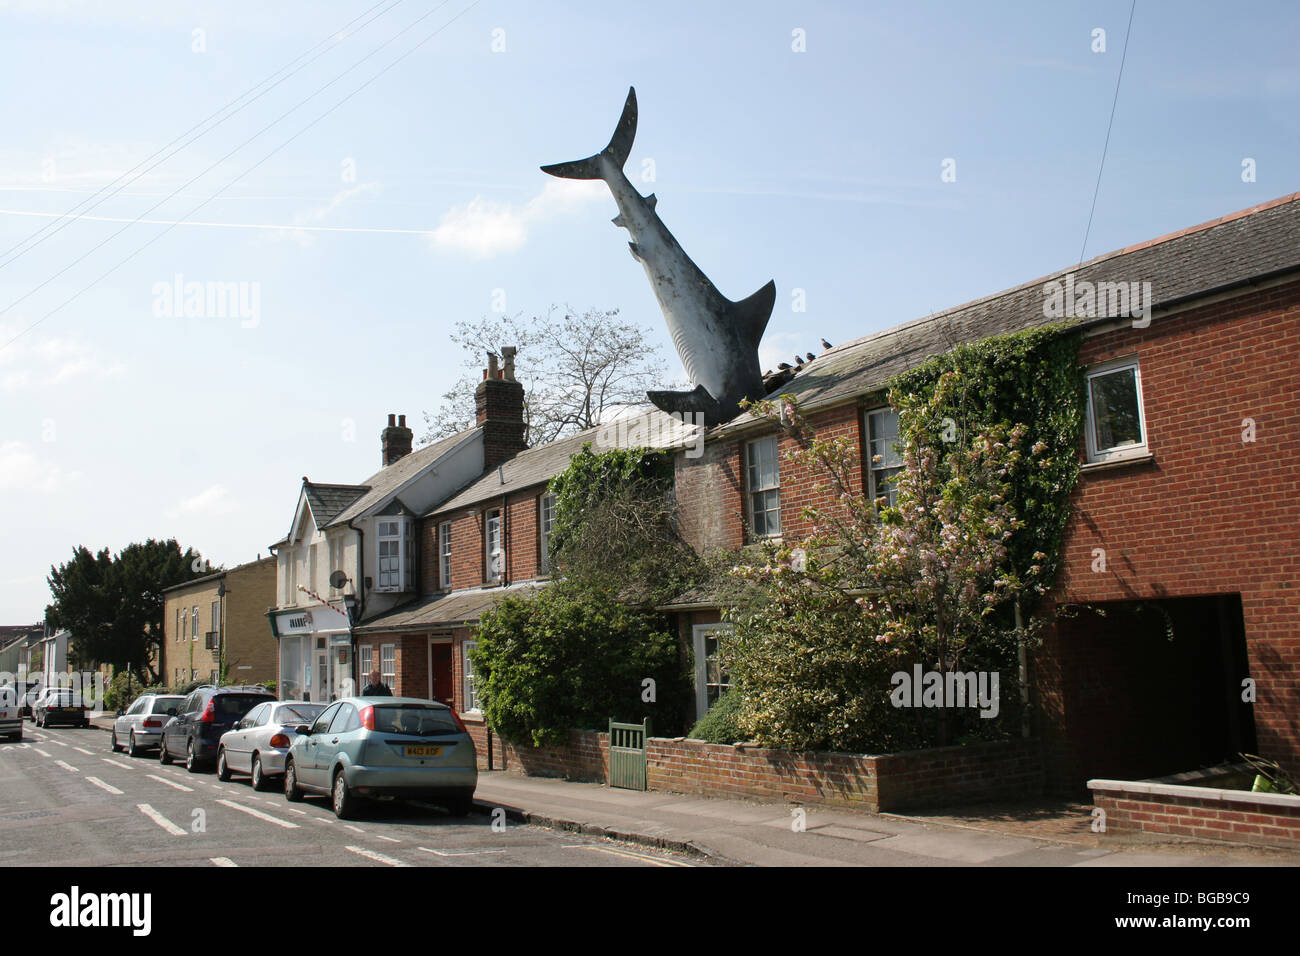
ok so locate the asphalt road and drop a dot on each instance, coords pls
(67, 800)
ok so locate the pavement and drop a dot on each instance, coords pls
(779, 834)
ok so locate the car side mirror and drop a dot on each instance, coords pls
(302, 730)
(120, 712)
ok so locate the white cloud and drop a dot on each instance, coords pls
(21, 469)
(52, 361)
(780, 347)
(311, 217)
(211, 501)
(482, 228)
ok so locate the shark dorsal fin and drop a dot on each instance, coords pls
(751, 315)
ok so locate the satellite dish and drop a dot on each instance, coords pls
(338, 579)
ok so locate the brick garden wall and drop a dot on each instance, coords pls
(941, 777)
(1163, 811)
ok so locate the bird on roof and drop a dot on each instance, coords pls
(784, 365)
(798, 362)
(826, 345)
(810, 356)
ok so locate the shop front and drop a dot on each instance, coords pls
(315, 653)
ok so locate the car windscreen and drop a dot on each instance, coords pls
(162, 704)
(64, 696)
(296, 714)
(415, 720)
(235, 705)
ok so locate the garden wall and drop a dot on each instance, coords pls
(943, 776)
(1173, 811)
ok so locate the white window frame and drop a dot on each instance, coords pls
(194, 621)
(545, 522)
(490, 517)
(699, 634)
(388, 665)
(405, 558)
(444, 555)
(873, 491)
(1118, 452)
(469, 693)
(751, 489)
(335, 545)
(365, 662)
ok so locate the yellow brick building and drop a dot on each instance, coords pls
(220, 612)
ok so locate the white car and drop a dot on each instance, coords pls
(141, 724)
(11, 715)
(257, 744)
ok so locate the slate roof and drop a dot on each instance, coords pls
(459, 607)
(388, 480)
(328, 500)
(1236, 248)
(536, 465)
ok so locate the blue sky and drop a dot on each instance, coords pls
(407, 208)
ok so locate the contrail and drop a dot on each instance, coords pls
(219, 225)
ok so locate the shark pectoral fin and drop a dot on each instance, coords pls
(751, 315)
(652, 200)
(696, 400)
(620, 146)
(618, 221)
(633, 248)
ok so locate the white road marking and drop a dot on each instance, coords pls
(59, 742)
(253, 812)
(117, 763)
(159, 819)
(322, 820)
(83, 750)
(67, 766)
(170, 783)
(351, 827)
(461, 853)
(103, 786)
(223, 861)
(377, 857)
(301, 813)
(40, 751)
(624, 853)
(380, 836)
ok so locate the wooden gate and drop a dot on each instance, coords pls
(627, 746)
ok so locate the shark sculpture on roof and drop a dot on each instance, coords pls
(716, 338)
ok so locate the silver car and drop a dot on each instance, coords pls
(257, 744)
(141, 724)
(383, 747)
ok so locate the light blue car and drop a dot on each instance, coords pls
(363, 748)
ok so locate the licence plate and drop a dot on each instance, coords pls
(416, 750)
(69, 709)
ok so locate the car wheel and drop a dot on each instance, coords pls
(345, 804)
(116, 747)
(223, 770)
(259, 778)
(292, 792)
(132, 747)
(191, 758)
(164, 755)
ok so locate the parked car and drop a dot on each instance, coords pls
(260, 740)
(142, 723)
(11, 718)
(29, 700)
(61, 705)
(369, 747)
(208, 712)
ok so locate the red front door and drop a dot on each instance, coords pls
(440, 673)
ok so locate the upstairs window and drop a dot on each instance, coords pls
(1115, 428)
(883, 458)
(444, 555)
(545, 522)
(763, 484)
(395, 565)
(194, 624)
(493, 548)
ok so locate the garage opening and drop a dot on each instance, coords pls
(1155, 687)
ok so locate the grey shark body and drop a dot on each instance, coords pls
(716, 338)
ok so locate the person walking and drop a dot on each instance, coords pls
(376, 687)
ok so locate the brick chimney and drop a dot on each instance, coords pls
(395, 439)
(499, 406)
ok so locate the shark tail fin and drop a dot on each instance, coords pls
(620, 146)
(696, 400)
(751, 315)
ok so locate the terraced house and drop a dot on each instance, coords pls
(1184, 518)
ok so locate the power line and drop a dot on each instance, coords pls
(94, 201)
(150, 242)
(1110, 122)
(293, 109)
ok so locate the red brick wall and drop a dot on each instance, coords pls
(942, 777)
(468, 547)
(1210, 816)
(1210, 515)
